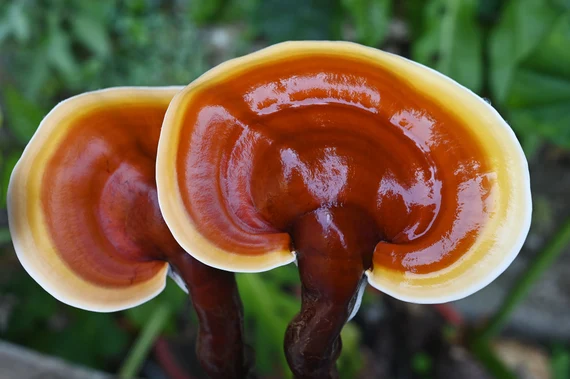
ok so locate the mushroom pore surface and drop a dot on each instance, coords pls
(261, 149)
(99, 196)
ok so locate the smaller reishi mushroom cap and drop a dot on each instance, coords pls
(271, 136)
(78, 199)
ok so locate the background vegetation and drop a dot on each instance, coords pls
(515, 53)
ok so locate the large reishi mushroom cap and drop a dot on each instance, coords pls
(269, 137)
(79, 196)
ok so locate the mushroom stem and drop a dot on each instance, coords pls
(220, 346)
(334, 247)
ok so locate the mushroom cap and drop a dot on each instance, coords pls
(69, 217)
(272, 135)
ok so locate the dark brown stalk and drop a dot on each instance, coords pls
(334, 247)
(220, 346)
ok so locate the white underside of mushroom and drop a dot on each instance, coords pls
(177, 279)
(359, 294)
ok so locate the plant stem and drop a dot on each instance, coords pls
(131, 366)
(521, 288)
(493, 364)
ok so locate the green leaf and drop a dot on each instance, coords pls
(7, 167)
(89, 338)
(350, 361)
(414, 11)
(531, 145)
(535, 88)
(268, 310)
(102, 11)
(100, 331)
(92, 33)
(59, 53)
(551, 122)
(3, 188)
(144, 342)
(38, 76)
(371, 19)
(5, 236)
(136, 6)
(19, 22)
(523, 25)
(278, 20)
(172, 297)
(33, 308)
(22, 115)
(238, 10)
(562, 4)
(452, 42)
(560, 363)
(282, 277)
(489, 10)
(533, 85)
(204, 11)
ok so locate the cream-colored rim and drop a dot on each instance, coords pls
(501, 240)
(30, 235)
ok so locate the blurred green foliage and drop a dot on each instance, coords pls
(513, 52)
(560, 363)
(39, 321)
(172, 298)
(530, 68)
(452, 41)
(269, 308)
(371, 19)
(422, 364)
(270, 304)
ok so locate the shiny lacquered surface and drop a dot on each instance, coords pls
(258, 141)
(82, 203)
(99, 196)
(86, 224)
(358, 164)
(100, 202)
(260, 149)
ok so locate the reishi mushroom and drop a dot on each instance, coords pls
(356, 163)
(85, 221)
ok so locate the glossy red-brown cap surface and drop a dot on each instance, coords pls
(260, 141)
(82, 200)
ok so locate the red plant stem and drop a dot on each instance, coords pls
(167, 361)
(450, 314)
(220, 347)
(334, 247)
